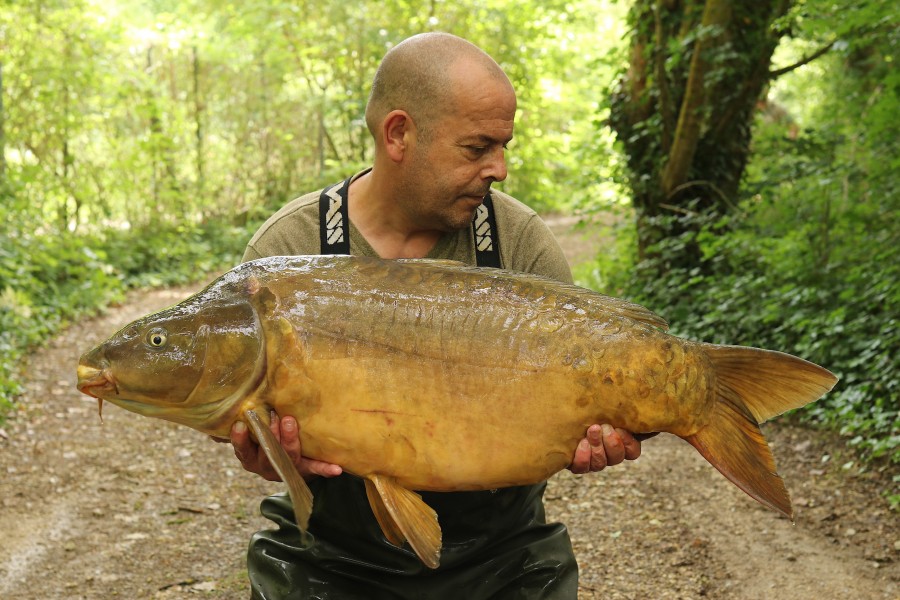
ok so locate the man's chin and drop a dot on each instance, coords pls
(471, 203)
(462, 214)
(459, 220)
(470, 208)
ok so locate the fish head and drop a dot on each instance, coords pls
(191, 363)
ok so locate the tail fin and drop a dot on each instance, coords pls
(753, 386)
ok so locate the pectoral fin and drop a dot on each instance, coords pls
(301, 495)
(384, 518)
(403, 514)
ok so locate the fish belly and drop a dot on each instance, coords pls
(439, 425)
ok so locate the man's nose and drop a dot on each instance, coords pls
(495, 169)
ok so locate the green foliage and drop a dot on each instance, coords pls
(116, 113)
(174, 254)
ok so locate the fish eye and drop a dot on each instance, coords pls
(157, 337)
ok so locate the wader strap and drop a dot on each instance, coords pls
(334, 226)
(484, 228)
(334, 221)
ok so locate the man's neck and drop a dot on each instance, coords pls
(388, 230)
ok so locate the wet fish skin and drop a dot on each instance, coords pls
(407, 373)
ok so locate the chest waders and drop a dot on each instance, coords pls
(496, 544)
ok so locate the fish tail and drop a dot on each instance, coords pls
(754, 385)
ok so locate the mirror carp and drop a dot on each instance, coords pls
(408, 372)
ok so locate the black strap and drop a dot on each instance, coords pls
(334, 220)
(334, 226)
(484, 228)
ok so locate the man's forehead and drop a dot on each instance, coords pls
(484, 111)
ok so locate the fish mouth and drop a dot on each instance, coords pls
(97, 383)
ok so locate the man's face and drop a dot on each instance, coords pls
(451, 171)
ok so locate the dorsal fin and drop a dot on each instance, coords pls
(597, 300)
(440, 262)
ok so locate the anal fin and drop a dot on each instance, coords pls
(403, 514)
(301, 495)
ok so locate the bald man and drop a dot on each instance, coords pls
(441, 113)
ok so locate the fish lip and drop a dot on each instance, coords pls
(95, 382)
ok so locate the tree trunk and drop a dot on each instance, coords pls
(683, 111)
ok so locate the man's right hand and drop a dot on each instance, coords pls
(287, 432)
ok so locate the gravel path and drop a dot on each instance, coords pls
(139, 508)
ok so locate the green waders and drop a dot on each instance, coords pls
(495, 545)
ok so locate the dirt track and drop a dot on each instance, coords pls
(138, 508)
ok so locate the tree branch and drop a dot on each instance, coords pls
(803, 61)
(702, 183)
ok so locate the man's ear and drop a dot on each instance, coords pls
(398, 131)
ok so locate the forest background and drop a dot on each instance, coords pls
(745, 157)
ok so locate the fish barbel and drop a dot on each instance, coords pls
(406, 373)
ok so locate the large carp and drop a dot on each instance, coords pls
(406, 373)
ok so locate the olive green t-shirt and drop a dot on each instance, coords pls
(526, 243)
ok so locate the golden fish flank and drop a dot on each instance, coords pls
(405, 372)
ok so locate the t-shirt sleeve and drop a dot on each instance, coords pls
(526, 242)
(538, 252)
(292, 231)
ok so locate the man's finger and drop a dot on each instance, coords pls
(581, 462)
(239, 439)
(275, 425)
(324, 469)
(290, 439)
(597, 458)
(631, 443)
(613, 445)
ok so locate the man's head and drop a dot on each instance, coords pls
(441, 112)
(415, 76)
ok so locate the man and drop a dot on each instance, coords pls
(441, 112)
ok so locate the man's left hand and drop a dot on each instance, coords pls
(604, 446)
